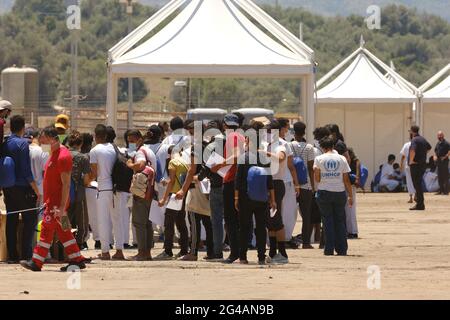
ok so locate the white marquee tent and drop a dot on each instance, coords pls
(373, 109)
(212, 39)
(436, 105)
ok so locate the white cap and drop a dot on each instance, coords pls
(5, 104)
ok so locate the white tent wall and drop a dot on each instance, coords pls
(212, 39)
(373, 130)
(436, 116)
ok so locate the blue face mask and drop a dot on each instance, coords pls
(132, 147)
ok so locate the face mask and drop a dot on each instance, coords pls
(132, 147)
(46, 148)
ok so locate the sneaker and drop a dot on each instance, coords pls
(163, 256)
(180, 255)
(81, 265)
(30, 265)
(189, 257)
(280, 259)
(97, 245)
(126, 246)
(417, 208)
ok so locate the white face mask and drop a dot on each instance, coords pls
(46, 148)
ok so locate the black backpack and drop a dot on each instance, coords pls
(121, 174)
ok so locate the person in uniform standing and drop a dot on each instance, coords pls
(441, 155)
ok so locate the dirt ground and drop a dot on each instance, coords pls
(411, 250)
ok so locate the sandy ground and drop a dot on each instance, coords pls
(411, 250)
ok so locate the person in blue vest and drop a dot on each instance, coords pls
(21, 197)
(254, 190)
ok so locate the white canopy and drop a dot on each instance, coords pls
(441, 92)
(211, 38)
(362, 82)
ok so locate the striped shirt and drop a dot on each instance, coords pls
(306, 152)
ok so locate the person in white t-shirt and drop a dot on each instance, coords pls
(306, 152)
(141, 206)
(333, 188)
(37, 156)
(387, 175)
(291, 183)
(277, 155)
(404, 167)
(102, 159)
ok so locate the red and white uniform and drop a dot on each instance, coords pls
(60, 161)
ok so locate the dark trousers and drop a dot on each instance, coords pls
(247, 209)
(20, 198)
(196, 220)
(417, 172)
(332, 208)
(442, 167)
(78, 216)
(275, 223)
(305, 204)
(171, 219)
(231, 218)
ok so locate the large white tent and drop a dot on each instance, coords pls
(436, 105)
(371, 103)
(212, 39)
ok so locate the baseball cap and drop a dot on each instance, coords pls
(62, 121)
(231, 120)
(5, 104)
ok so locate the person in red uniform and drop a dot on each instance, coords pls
(56, 199)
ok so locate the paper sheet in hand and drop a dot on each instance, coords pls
(156, 215)
(216, 159)
(175, 204)
(273, 213)
(94, 184)
(205, 186)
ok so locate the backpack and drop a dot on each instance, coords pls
(300, 165)
(257, 184)
(121, 174)
(142, 183)
(364, 174)
(7, 172)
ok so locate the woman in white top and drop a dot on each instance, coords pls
(333, 185)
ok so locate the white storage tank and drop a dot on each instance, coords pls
(21, 87)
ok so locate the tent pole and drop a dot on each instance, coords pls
(310, 112)
(111, 100)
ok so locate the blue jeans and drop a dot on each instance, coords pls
(216, 203)
(332, 209)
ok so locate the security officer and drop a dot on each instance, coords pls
(441, 155)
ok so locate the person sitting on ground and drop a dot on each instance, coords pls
(388, 183)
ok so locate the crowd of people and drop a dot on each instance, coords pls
(231, 184)
(414, 171)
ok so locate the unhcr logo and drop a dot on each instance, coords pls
(331, 165)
